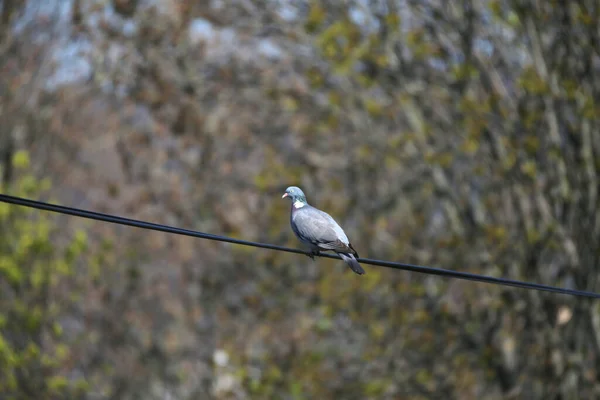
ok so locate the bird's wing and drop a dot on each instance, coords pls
(317, 227)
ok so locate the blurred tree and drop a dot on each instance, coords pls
(34, 278)
(491, 105)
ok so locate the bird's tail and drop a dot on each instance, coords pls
(352, 263)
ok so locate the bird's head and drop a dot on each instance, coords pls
(296, 194)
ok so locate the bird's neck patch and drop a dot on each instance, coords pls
(299, 204)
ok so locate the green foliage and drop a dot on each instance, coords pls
(340, 42)
(316, 17)
(532, 82)
(33, 272)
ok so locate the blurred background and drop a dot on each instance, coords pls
(455, 134)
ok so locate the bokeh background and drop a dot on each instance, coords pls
(456, 134)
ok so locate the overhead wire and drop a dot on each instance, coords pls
(202, 235)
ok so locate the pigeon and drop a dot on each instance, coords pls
(319, 231)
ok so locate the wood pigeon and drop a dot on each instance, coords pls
(319, 231)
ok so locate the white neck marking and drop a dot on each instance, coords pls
(298, 204)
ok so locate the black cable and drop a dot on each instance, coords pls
(186, 232)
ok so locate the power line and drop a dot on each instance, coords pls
(186, 232)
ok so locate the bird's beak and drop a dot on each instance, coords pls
(284, 195)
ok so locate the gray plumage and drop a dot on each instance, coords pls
(319, 231)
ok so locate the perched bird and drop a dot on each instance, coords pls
(319, 231)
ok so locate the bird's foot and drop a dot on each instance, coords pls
(313, 254)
